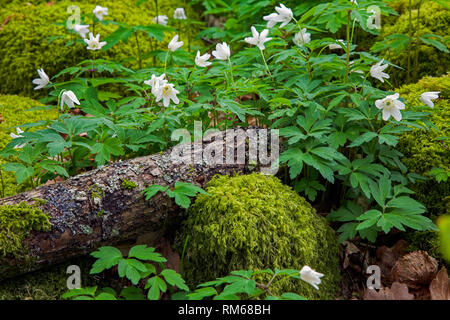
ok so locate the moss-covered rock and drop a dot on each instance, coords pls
(13, 113)
(255, 222)
(424, 150)
(434, 19)
(35, 37)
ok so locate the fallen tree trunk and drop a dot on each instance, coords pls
(97, 208)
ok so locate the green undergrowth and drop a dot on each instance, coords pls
(255, 222)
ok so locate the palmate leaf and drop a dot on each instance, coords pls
(106, 258)
(174, 279)
(201, 293)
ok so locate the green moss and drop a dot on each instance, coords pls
(424, 150)
(97, 192)
(31, 39)
(255, 222)
(127, 184)
(16, 222)
(49, 283)
(434, 19)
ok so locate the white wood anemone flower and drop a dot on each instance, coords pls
(179, 14)
(18, 135)
(174, 44)
(302, 37)
(167, 92)
(100, 11)
(222, 51)
(69, 98)
(156, 83)
(311, 276)
(81, 29)
(202, 60)
(391, 106)
(377, 69)
(42, 81)
(283, 15)
(335, 46)
(258, 39)
(162, 20)
(94, 42)
(427, 97)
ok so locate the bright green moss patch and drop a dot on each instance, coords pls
(36, 37)
(16, 222)
(127, 184)
(424, 150)
(255, 222)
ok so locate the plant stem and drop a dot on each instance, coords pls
(347, 64)
(138, 50)
(408, 68)
(165, 61)
(416, 44)
(3, 184)
(231, 71)
(265, 63)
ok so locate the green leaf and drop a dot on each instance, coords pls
(174, 279)
(141, 252)
(106, 258)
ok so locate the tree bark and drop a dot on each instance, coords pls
(93, 209)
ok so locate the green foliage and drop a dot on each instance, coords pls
(432, 51)
(48, 283)
(139, 268)
(48, 45)
(14, 112)
(181, 192)
(426, 152)
(16, 223)
(395, 209)
(254, 221)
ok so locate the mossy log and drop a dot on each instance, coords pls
(103, 207)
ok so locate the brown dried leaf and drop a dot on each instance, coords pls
(398, 291)
(415, 269)
(440, 287)
(387, 258)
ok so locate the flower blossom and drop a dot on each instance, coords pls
(311, 276)
(334, 46)
(166, 93)
(161, 20)
(258, 39)
(283, 15)
(94, 42)
(42, 81)
(202, 60)
(100, 12)
(391, 106)
(18, 135)
(427, 97)
(69, 98)
(302, 37)
(377, 69)
(222, 51)
(179, 14)
(174, 44)
(81, 29)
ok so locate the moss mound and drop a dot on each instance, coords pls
(13, 113)
(16, 222)
(435, 19)
(35, 37)
(255, 222)
(424, 150)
